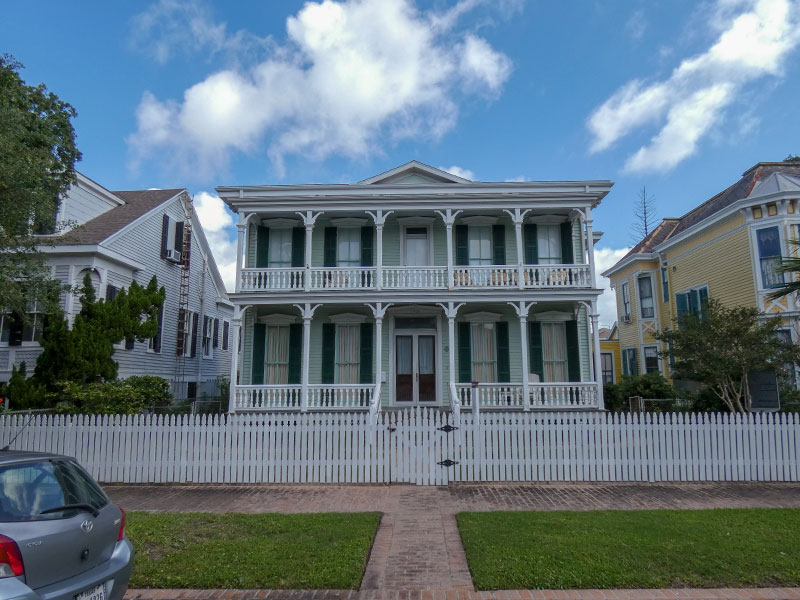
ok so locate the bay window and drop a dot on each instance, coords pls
(769, 256)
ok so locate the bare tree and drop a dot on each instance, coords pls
(644, 212)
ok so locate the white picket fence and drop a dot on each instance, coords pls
(421, 446)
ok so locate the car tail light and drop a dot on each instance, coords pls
(121, 533)
(10, 558)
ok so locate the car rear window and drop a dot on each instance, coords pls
(27, 489)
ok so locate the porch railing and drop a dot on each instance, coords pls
(278, 279)
(541, 395)
(415, 278)
(325, 396)
(489, 276)
(268, 397)
(343, 278)
(350, 396)
(556, 276)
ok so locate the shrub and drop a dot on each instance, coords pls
(113, 397)
(153, 391)
(651, 385)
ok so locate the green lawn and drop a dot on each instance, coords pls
(201, 550)
(633, 549)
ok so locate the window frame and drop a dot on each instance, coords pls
(652, 301)
(544, 258)
(609, 375)
(701, 313)
(771, 257)
(205, 338)
(282, 232)
(627, 363)
(645, 357)
(356, 328)
(626, 302)
(280, 366)
(491, 326)
(350, 262)
(479, 261)
(665, 284)
(187, 335)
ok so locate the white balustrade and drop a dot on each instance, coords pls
(542, 395)
(326, 396)
(267, 397)
(343, 278)
(272, 279)
(490, 395)
(556, 276)
(485, 276)
(414, 278)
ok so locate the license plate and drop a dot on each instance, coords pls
(96, 593)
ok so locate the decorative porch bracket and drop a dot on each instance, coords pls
(309, 218)
(379, 216)
(522, 309)
(518, 218)
(450, 311)
(307, 311)
(449, 216)
(378, 311)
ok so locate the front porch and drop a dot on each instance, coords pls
(373, 357)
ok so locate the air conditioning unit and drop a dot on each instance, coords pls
(173, 255)
(626, 318)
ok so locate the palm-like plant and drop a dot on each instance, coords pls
(789, 264)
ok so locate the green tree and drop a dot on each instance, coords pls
(37, 165)
(720, 347)
(792, 158)
(84, 353)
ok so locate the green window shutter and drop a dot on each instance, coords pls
(681, 305)
(503, 361)
(366, 247)
(262, 246)
(694, 302)
(328, 352)
(365, 371)
(573, 351)
(531, 245)
(464, 354)
(625, 362)
(298, 246)
(295, 352)
(634, 362)
(259, 343)
(567, 257)
(702, 294)
(462, 244)
(535, 352)
(499, 244)
(329, 257)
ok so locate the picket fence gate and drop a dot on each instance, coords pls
(421, 446)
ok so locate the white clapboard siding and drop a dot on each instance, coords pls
(421, 446)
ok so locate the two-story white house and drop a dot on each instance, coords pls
(416, 288)
(125, 236)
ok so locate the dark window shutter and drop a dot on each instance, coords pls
(295, 352)
(16, 329)
(181, 340)
(329, 250)
(503, 361)
(186, 257)
(567, 257)
(681, 305)
(499, 244)
(225, 334)
(462, 244)
(365, 371)
(703, 302)
(573, 351)
(111, 292)
(259, 343)
(130, 343)
(535, 351)
(328, 352)
(531, 245)
(178, 237)
(634, 362)
(164, 234)
(157, 338)
(262, 246)
(366, 247)
(464, 353)
(216, 333)
(298, 246)
(194, 334)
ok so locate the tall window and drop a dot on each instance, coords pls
(276, 355)
(626, 302)
(651, 359)
(629, 364)
(484, 352)
(646, 296)
(549, 241)
(32, 327)
(348, 247)
(769, 255)
(692, 302)
(207, 326)
(665, 284)
(554, 351)
(348, 358)
(480, 244)
(280, 247)
(607, 363)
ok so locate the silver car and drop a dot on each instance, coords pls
(60, 535)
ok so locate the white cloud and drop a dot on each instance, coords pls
(756, 38)
(636, 25)
(518, 179)
(218, 225)
(460, 172)
(353, 75)
(605, 258)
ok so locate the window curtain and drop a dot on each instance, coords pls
(549, 240)
(484, 358)
(280, 248)
(347, 353)
(277, 355)
(554, 347)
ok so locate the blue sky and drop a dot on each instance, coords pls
(676, 95)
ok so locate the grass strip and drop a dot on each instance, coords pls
(277, 551)
(633, 549)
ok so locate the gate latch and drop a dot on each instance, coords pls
(392, 429)
(448, 463)
(447, 428)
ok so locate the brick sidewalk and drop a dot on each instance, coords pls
(418, 548)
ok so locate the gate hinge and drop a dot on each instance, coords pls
(447, 428)
(448, 463)
(392, 429)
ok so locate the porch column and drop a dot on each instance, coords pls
(450, 311)
(378, 311)
(598, 363)
(236, 324)
(522, 309)
(307, 312)
(379, 217)
(449, 217)
(518, 217)
(309, 217)
(241, 228)
(590, 245)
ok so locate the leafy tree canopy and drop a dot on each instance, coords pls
(37, 165)
(792, 158)
(723, 345)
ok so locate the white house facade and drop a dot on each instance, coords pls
(125, 236)
(416, 288)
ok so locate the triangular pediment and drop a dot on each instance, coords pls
(414, 173)
(776, 183)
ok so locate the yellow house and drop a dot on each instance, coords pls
(727, 248)
(609, 354)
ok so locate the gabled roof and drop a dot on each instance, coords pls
(136, 204)
(412, 172)
(646, 245)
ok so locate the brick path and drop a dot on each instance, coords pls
(418, 548)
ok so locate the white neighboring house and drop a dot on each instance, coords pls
(125, 236)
